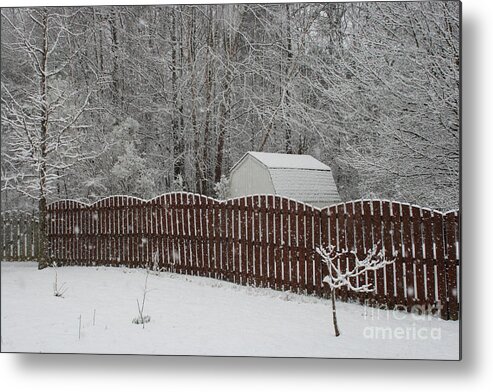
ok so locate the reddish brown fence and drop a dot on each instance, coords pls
(268, 241)
(19, 236)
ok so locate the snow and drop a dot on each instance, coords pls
(200, 316)
(309, 186)
(288, 161)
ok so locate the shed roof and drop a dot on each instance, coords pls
(300, 177)
(288, 161)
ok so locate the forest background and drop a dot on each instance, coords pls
(139, 100)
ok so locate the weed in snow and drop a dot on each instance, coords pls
(58, 291)
(142, 319)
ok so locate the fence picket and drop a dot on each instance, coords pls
(278, 253)
(184, 207)
(168, 257)
(388, 254)
(418, 273)
(359, 243)
(20, 242)
(350, 245)
(341, 245)
(378, 243)
(317, 232)
(242, 240)
(293, 248)
(270, 240)
(255, 241)
(15, 238)
(2, 236)
(301, 243)
(428, 256)
(285, 244)
(399, 283)
(369, 243)
(196, 235)
(264, 248)
(217, 231)
(406, 236)
(309, 249)
(210, 236)
(236, 240)
(229, 253)
(327, 233)
(451, 223)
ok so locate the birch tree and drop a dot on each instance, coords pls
(42, 114)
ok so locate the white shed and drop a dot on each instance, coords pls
(299, 177)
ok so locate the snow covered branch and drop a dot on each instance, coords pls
(374, 260)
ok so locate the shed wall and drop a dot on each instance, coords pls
(250, 178)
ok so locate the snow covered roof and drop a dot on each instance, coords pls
(300, 177)
(309, 186)
(288, 161)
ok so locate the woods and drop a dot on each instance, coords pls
(140, 101)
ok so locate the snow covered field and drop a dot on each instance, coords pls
(200, 316)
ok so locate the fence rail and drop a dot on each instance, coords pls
(268, 241)
(19, 236)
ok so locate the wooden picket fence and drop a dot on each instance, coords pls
(269, 241)
(19, 236)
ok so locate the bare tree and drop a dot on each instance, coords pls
(374, 260)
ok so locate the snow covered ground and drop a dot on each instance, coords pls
(200, 316)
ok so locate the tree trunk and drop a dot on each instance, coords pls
(43, 240)
(220, 144)
(117, 93)
(175, 123)
(289, 49)
(193, 103)
(334, 315)
(42, 255)
(204, 172)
